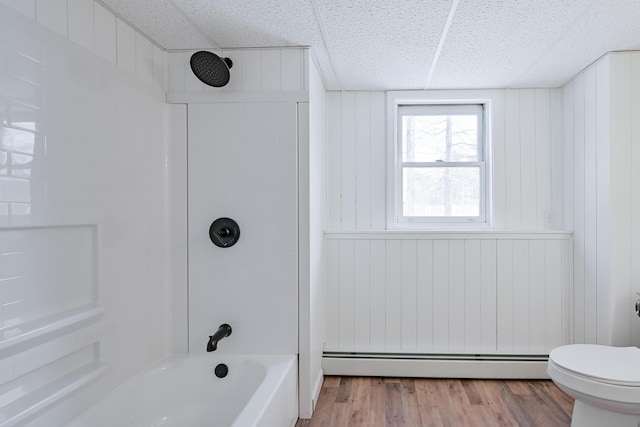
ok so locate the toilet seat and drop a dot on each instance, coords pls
(611, 365)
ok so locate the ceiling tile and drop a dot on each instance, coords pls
(492, 42)
(386, 44)
(608, 26)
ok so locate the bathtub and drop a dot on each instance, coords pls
(183, 391)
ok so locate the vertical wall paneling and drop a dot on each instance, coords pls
(520, 309)
(347, 294)
(567, 155)
(579, 207)
(440, 305)
(528, 179)
(456, 288)
(603, 211)
(251, 70)
(461, 295)
(590, 226)
(424, 297)
(557, 196)
(473, 287)
(556, 299)
(497, 153)
(332, 295)
(635, 182)
(504, 296)
(334, 159)
(144, 58)
(544, 159)
(362, 294)
(393, 299)
(599, 151)
(526, 123)
(408, 294)
(488, 294)
(348, 157)
(621, 110)
(176, 71)
(512, 159)
(291, 73)
(378, 151)
(378, 294)
(271, 71)
(362, 160)
(538, 293)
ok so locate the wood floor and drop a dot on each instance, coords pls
(372, 402)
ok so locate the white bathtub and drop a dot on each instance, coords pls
(183, 391)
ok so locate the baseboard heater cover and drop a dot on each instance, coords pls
(436, 365)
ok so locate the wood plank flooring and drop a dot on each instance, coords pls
(422, 402)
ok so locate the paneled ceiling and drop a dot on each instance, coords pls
(405, 44)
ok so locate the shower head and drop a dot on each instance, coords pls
(210, 68)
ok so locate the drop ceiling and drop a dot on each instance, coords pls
(405, 44)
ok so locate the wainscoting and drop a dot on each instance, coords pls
(452, 294)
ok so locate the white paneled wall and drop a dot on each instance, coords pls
(404, 292)
(253, 70)
(601, 140)
(82, 197)
(525, 161)
(501, 294)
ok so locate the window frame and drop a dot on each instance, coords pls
(403, 99)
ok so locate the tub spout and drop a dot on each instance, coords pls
(223, 331)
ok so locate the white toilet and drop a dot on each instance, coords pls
(603, 380)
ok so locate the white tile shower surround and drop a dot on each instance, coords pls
(252, 285)
(82, 196)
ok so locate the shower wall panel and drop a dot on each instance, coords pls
(242, 164)
(83, 287)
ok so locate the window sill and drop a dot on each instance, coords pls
(487, 233)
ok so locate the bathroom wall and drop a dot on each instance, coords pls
(311, 170)
(443, 291)
(255, 153)
(83, 284)
(525, 160)
(600, 151)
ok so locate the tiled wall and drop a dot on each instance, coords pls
(96, 29)
(83, 286)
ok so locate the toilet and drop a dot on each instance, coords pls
(603, 380)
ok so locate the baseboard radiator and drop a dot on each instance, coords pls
(436, 365)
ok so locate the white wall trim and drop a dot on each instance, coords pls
(435, 368)
(215, 97)
(447, 235)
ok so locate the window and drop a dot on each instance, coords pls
(440, 163)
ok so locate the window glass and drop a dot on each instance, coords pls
(440, 163)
